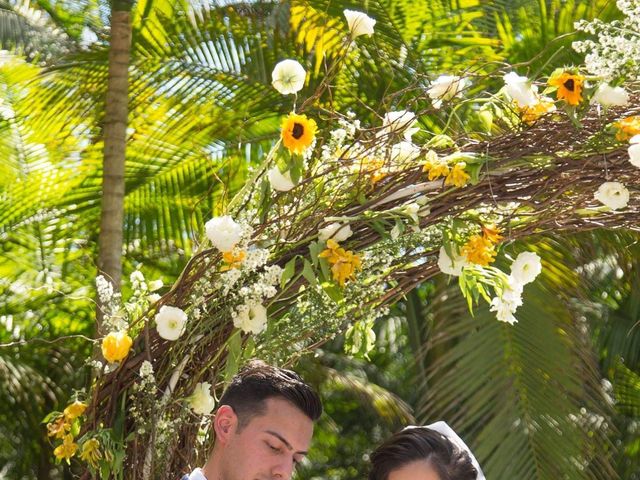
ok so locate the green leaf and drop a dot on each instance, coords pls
(308, 273)
(289, 270)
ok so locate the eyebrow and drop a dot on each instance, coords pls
(284, 440)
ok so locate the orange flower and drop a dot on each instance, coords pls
(627, 127)
(492, 233)
(457, 176)
(479, 250)
(532, 114)
(298, 132)
(116, 346)
(569, 86)
(74, 410)
(438, 168)
(66, 449)
(343, 263)
(232, 259)
(58, 428)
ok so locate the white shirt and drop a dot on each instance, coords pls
(197, 475)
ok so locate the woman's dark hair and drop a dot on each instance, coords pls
(257, 381)
(421, 443)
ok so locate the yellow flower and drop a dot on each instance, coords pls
(479, 250)
(59, 427)
(627, 127)
(436, 168)
(457, 176)
(232, 259)
(532, 114)
(116, 346)
(492, 233)
(74, 410)
(91, 452)
(343, 263)
(66, 449)
(569, 87)
(298, 132)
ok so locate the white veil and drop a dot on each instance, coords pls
(445, 430)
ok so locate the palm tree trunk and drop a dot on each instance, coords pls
(115, 131)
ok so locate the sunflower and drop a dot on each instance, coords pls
(569, 86)
(298, 132)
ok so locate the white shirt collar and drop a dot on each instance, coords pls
(197, 475)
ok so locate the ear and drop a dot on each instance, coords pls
(225, 423)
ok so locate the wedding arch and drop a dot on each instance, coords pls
(340, 221)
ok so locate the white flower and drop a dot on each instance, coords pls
(404, 152)
(136, 277)
(402, 120)
(280, 181)
(146, 369)
(153, 298)
(339, 232)
(608, 96)
(451, 266)
(359, 23)
(288, 77)
(525, 268)
(520, 89)
(223, 232)
(155, 285)
(170, 322)
(507, 304)
(201, 401)
(634, 151)
(251, 318)
(445, 87)
(612, 194)
(411, 209)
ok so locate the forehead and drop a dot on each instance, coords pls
(288, 421)
(416, 470)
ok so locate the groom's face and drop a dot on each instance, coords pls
(269, 446)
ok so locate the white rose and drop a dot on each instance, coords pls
(612, 194)
(404, 152)
(634, 151)
(445, 87)
(280, 181)
(525, 268)
(155, 285)
(359, 23)
(451, 266)
(223, 232)
(339, 232)
(400, 121)
(170, 322)
(610, 96)
(201, 401)
(251, 319)
(520, 89)
(288, 77)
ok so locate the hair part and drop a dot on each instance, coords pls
(421, 443)
(257, 381)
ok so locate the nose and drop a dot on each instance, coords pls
(283, 470)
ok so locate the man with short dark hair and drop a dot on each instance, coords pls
(263, 426)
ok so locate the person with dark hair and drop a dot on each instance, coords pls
(434, 452)
(263, 426)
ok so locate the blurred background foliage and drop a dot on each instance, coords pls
(556, 396)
